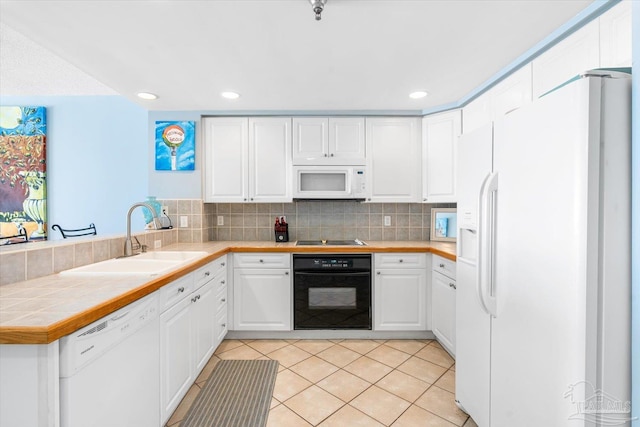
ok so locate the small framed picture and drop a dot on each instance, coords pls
(175, 146)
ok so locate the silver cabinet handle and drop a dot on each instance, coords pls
(441, 265)
(261, 260)
(181, 289)
(325, 154)
(452, 285)
(245, 199)
(331, 154)
(400, 260)
(424, 200)
(223, 300)
(286, 273)
(224, 325)
(252, 199)
(222, 282)
(222, 264)
(378, 273)
(207, 274)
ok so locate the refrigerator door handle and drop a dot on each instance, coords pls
(482, 255)
(491, 203)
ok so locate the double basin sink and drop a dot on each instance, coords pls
(144, 264)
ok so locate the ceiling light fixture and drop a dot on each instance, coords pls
(417, 95)
(318, 7)
(147, 95)
(230, 95)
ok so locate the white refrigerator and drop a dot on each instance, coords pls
(543, 273)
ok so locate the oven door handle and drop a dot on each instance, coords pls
(324, 273)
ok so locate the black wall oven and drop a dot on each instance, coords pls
(332, 291)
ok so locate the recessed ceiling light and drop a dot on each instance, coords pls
(147, 95)
(418, 94)
(230, 95)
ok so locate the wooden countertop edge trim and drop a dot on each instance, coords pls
(48, 334)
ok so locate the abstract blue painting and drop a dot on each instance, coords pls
(175, 146)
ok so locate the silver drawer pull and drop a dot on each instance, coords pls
(196, 298)
(261, 260)
(441, 265)
(451, 285)
(223, 300)
(286, 273)
(224, 325)
(222, 282)
(222, 264)
(207, 274)
(181, 289)
(400, 260)
(378, 273)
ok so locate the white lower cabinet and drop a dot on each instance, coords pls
(262, 295)
(443, 309)
(189, 331)
(400, 292)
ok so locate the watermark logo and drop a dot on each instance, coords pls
(597, 406)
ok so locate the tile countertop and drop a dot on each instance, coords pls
(40, 311)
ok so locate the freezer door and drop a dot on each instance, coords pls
(544, 335)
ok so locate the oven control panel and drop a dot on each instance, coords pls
(331, 262)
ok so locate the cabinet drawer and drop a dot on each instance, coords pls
(262, 260)
(444, 266)
(221, 299)
(175, 292)
(208, 272)
(400, 260)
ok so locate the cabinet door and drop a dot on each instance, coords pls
(443, 309)
(262, 299)
(203, 324)
(440, 134)
(346, 141)
(310, 140)
(270, 159)
(226, 145)
(616, 36)
(393, 159)
(176, 374)
(400, 300)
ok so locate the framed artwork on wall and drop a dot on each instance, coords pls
(23, 169)
(175, 145)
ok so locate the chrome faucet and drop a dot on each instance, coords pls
(128, 246)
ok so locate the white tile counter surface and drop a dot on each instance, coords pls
(42, 310)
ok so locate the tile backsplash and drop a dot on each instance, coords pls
(320, 220)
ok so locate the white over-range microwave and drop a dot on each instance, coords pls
(329, 182)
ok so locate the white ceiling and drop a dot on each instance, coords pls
(363, 55)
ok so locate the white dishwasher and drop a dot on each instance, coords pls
(109, 370)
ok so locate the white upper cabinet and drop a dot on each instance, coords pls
(394, 159)
(511, 93)
(270, 159)
(440, 134)
(328, 141)
(615, 36)
(577, 53)
(247, 160)
(226, 146)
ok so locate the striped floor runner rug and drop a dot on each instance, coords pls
(238, 394)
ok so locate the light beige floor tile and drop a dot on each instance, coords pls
(360, 346)
(403, 385)
(453, 368)
(416, 416)
(436, 355)
(182, 409)
(387, 355)
(436, 344)
(348, 416)
(289, 355)
(206, 371)
(227, 345)
(314, 346)
(448, 381)
(368, 369)
(288, 384)
(281, 416)
(274, 403)
(267, 346)
(314, 369)
(442, 403)
(344, 385)
(338, 355)
(314, 404)
(240, 353)
(470, 423)
(422, 369)
(380, 405)
(408, 346)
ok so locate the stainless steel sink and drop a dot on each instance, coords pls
(354, 242)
